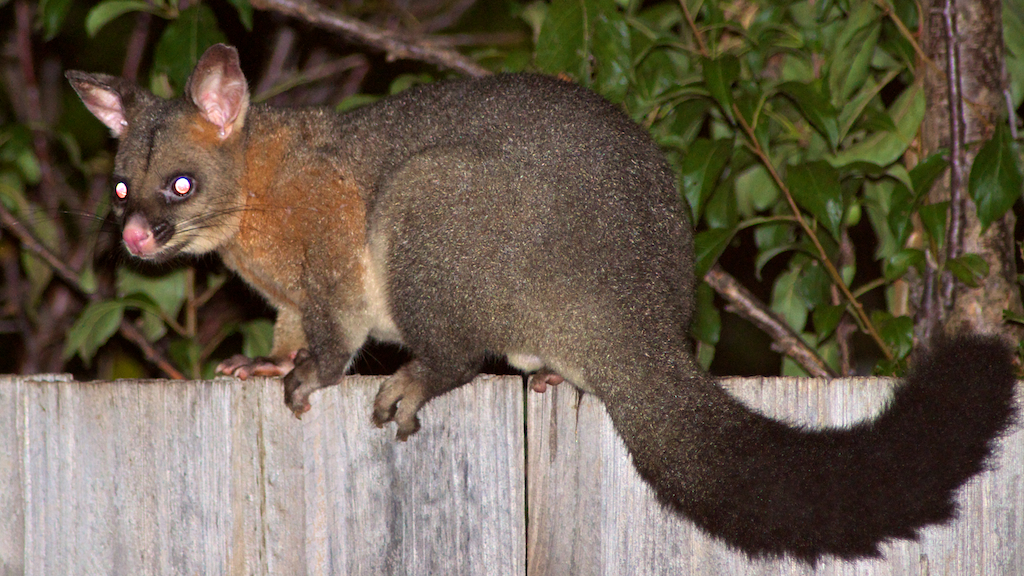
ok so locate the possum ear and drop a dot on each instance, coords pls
(218, 88)
(108, 98)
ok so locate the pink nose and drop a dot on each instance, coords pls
(138, 236)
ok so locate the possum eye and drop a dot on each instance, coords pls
(182, 185)
(121, 190)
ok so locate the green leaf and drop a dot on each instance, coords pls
(244, 10)
(719, 75)
(898, 264)
(933, 217)
(403, 82)
(104, 12)
(856, 107)
(613, 55)
(720, 211)
(815, 187)
(257, 337)
(899, 173)
(682, 123)
(93, 328)
(970, 269)
(765, 255)
(924, 174)
(187, 353)
(87, 277)
(700, 170)
(816, 108)
(707, 321)
(1011, 316)
(814, 285)
(355, 101)
(167, 291)
(787, 301)
(898, 333)
(708, 246)
(533, 14)
(755, 190)
(562, 43)
(16, 149)
(995, 182)
(51, 16)
(901, 211)
(885, 147)
(826, 318)
(38, 273)
(851, 58)
(1013, 36)
(183, 41)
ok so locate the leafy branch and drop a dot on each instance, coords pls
(755, 146)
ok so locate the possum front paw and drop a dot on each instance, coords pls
(399, 399)
(242, 367)
(302, 381)
(540, 380)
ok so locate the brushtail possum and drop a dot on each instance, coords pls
(524, 216)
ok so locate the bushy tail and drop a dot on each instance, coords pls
(769, 489)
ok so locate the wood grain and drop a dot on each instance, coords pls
(218, 477)
(591, 514)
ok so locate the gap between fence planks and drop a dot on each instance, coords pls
(217, 477)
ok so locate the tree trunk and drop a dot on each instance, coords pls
(965, 36)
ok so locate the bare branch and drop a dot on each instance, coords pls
(742, 302)
(132, 333)
(35, 246)
(74, 280)
(136, 46)
(314, 74)
(396, 46)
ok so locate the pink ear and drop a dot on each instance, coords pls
(217, 86)
(101, 99)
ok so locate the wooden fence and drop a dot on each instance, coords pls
(217, 477)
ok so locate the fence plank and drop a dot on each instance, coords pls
(447, 501)
(591, 514)
(218, 478)
(12, 505)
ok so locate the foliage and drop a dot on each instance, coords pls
(787, 123)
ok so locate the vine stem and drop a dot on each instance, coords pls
(755, 146)
(697, 35)
(954, 235)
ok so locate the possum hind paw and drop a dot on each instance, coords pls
(398, 401)
(540, 380)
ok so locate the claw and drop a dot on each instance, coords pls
(302, 381)
(242, 367)
(398, 401)
(301, 410)
(540, 381)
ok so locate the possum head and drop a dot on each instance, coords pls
(179, 162)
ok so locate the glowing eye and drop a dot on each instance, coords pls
(121, 190)
(182, 185)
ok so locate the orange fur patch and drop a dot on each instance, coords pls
(203, 133)
(300, 212)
